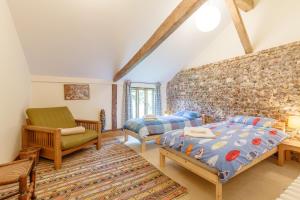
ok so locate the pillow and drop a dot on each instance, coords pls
(238, 119)
(255, 121)
(191, 114)
(72, 131)
(180, 113)
(266, 122)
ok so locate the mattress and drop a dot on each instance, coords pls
(235, 146)
(160, 125)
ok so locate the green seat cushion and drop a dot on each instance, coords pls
(58, 117)
(70, 141)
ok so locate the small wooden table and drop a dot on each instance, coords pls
(285, 148)
(33, 152)
(18, 172)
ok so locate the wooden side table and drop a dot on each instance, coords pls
(18, 172)
(33, 152)
(285, 148)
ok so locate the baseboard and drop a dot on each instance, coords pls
(110, 130)
(112, 133)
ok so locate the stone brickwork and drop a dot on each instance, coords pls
(266, 83)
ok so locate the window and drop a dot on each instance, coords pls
(142, 100)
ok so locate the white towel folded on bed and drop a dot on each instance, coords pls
(199, 132)
(150, 117)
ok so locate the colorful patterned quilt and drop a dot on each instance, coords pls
(161, 125)
(236, 145)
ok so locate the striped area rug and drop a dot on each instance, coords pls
(115, 172)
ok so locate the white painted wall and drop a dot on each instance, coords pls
(271, 23)
(15, 86)
(48, 91)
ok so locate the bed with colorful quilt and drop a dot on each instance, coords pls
(146, 129)
(239, 143)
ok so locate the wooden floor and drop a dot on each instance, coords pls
(266, 181)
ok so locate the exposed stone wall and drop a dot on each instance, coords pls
(264, 83)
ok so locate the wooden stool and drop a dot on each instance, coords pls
(33, 152)
(18, 172)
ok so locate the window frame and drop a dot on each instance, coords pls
(146, 103)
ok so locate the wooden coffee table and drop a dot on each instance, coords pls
(18, 172)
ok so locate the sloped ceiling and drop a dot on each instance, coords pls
(94, 38)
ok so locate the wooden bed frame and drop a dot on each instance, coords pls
(212, 177)
(205, 119)
(142, 140)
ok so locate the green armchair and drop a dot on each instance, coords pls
(43, 129)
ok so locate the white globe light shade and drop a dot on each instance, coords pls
(207, 18)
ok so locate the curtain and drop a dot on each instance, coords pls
(157, 99)
(126, 112)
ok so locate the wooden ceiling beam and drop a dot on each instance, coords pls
(184, 10)
(245, 5)
(239, 25)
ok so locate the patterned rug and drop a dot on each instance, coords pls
(114, 172)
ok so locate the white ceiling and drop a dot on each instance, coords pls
(93, 38)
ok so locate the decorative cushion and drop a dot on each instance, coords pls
(191, 114)
(239, 119)
(58, 117)
(70, 141)
(255, 121)
(180, 113)
(72, 131)
(266, 122)
(188, 114)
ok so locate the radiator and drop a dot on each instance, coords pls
(292, 192)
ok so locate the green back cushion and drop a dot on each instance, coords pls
(59, 117)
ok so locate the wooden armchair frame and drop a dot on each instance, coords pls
(49, 139)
